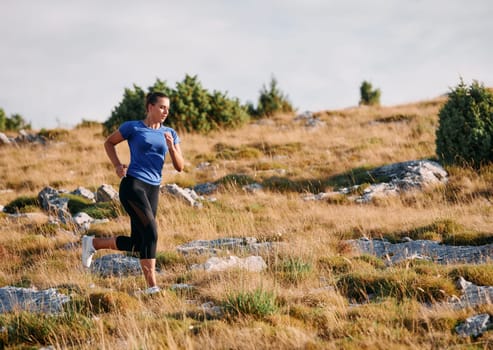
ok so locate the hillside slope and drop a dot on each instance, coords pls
(316, 292)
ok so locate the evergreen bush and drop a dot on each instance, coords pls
(130, 108)
(369, 96)
(465, 132)
(13, 123)
(272, 100)
(193, 108)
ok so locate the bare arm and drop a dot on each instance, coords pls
(174, 152)
(109, 145)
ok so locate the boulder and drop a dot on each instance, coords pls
(116, 265)
(472, 295)
(423, 249)
(106, 193)
(251, 263)
(85, 193)
(239, 244)
(401, 177)
(53, 203)
(31, 300)
(186, 194)
(474, 326)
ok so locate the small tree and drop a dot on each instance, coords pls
(13, 123)
(272, 100)
(465, 132)
(130, 108)
(193, 108)
(190, 106)
(227, 112)
(3, 119)
(369, 97)
(16, 122)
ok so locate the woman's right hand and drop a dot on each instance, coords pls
(121, 170)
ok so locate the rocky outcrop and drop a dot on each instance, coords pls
(423, 249)
(116, 265)
(229, 244)
(474, 326)
(106, 193)
(400, 177)
(251, 263)
(52, 202)
(21, 138)
(55, 204)
(186, 194)
(207, 188)
(31, 299)
(309, 120)
(472, 295)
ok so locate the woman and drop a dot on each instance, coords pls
(149, 141)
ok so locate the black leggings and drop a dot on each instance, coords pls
(140, 202)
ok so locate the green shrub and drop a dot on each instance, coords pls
(465, 132)
(131, 107)
(22, 205)
(100, 210)
(369, 96)
(257, 303)
(193, 108)
(271, 101)
(103, 210)
(13, 123)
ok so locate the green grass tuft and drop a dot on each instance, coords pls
(294, 270)
(257, 303)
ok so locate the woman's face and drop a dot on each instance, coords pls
(159, 111)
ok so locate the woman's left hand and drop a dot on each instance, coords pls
(169, 139)
(174, 152)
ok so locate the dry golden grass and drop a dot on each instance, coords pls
(311, 311)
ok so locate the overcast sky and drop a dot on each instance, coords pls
(63, 61)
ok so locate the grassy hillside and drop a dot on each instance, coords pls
(305, 299)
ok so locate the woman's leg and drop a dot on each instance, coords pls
(149, 269)
(104, 243)
(90, 244)
(149, 265)
(140, 202)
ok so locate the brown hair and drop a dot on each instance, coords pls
(152, 97)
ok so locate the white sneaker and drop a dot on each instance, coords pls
(87, 250)
(152, 290)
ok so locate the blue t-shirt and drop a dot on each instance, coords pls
(147, 150)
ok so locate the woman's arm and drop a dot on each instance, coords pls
(109, 145)
(175, 152)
